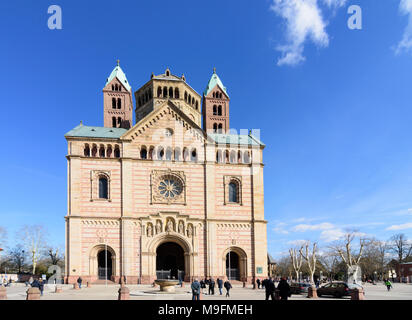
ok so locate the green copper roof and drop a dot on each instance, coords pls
(95, 132)
(213, 82)
(241, 139)
(119, 74)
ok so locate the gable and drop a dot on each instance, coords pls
(217, 88)
(152, 128)
(115, 81)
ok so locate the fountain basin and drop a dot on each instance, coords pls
(167, 285)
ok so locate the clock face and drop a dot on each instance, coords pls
(170, 188)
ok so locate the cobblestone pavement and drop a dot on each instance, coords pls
(146, 292)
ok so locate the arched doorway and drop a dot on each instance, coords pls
(170, 261)
(232, 266)
(104, 264)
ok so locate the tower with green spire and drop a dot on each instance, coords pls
(117, 100)
(215, 106)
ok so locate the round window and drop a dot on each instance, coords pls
(170, 187)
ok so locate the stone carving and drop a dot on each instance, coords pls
(169, 226)
(158, 227)
(149, 230)
(189, 231)
(181, 227)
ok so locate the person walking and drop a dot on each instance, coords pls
(388, 285)
(202, 286)
(211, 286)
(41, 286)
(227, 286)
(195, 290)
(284, 289)
(258, 283)
(220, 285)
(79, 281)
(270, 289)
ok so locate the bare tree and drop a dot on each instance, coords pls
(297, 260)
(345, 249)
(310, 258)
(17, 257)
(54, 255)
(400, 245)
(330, 261)
(33, 239)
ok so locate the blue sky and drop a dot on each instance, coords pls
(336, 120)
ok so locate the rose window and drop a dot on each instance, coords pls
(170, 188)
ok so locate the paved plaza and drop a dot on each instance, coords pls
(146, 292)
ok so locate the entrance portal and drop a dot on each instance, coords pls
(232, 266)
(104, 262)
(170, 262)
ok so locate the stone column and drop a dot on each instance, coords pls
(357, 294)
(124, 293)
(312, 292)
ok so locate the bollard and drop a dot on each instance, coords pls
(277, 295)
(76, 286)
(89, 285)
(244, 284)
(33, 294)
(124, 293)
(357, 294)
(58, 289)
(3, 293)
(312, 292)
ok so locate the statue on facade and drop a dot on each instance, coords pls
(169, 226)
(189, 230)
(158, 227)
(149, 230)
(181, 228)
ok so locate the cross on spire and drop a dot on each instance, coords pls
(214, 69)
(118, 62)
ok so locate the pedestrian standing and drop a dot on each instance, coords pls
(79, 281)
(195, 290)
(258, 283)
(270, 289)
(41, 286)
(211, 286)
(284, 289)
(220, 285)
(228, 286)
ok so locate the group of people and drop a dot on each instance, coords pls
(270, 288)
(198, 287)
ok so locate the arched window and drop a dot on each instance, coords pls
(164, 92)
(109, 151)
(102, 152)
(177, 93)
(116, 152)
(185, 154)
(233, 192)
(193, 101)
(160, 153)
(87, 151)
(94, 151)
(159, 91)
(114, 122)
(177, 154)
(232, 157)
(169, 154)
(171, 92)
(215, 127)
(189, 99)
(114, 103)
(214, 110)
(227, 156)
(220, 128)
(193, 155)
(143, 153)
(214, 95)
(197, 104)
(185, 96)
(119, 122)
(219, 110)
(116, 87)
(119, 103)
(103, 188)
(112, 87)
(151, 150)
(120, 88)
(246, 157)
(220, 95)
(239, 157)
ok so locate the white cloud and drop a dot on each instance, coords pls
(304, 21)
(400, 226)
(280, 230)
(313, 227)
(405, 7)
(331, 235)
(297, 243)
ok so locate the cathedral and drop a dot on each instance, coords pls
(174, 194)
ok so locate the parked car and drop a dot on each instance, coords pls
(337, 289)
(299, 287)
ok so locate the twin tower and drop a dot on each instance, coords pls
(118, 101)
